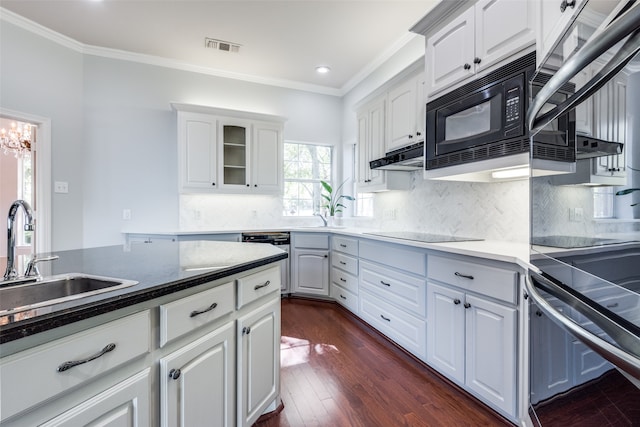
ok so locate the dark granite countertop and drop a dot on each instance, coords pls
(160, 268)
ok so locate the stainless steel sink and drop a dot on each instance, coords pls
(55, 289)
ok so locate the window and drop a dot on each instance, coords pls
(305, 165)
(603, 202)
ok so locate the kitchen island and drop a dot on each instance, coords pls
(197, 335)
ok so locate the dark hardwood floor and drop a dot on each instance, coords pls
(610, 400)
(338, 372)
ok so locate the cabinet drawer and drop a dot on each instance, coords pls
(346, 245)
(345, 298)
(311, 240)
(186, 314)
(345, 280)
(33, 376)
(411, 261)
(408, 293)
(490, 281)
(401, 327)
(345, 262)
(257, 285)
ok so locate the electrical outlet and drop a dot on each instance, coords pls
(61, 187)
(576, 214)
(126, 214)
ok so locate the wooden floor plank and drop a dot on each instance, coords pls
(336, 371)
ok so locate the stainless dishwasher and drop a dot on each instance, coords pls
(282, 240)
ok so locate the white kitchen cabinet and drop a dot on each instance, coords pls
(371, 146)
(344, 272)
(611, 125)
(258, 335)
(371, 121)
(472, 328)
(405, 113)
(251, 156)
(310, 263)
(477, 39)
(36, 375)
(230, 151)
(267, 160)
(550, 357)
(125, 404)
(197, 381)
(197, 152)
(552, 20)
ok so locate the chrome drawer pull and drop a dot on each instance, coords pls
(385, 283)
(264, 285)
(68, 365)
(194, 313)
(385, 318)
(466, 276)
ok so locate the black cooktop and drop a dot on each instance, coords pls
(570, 242)
(422, 237)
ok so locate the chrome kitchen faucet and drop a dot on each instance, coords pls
(11, 273)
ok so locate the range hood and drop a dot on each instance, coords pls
(588, 147)
(409, 158)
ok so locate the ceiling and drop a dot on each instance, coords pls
(281, 42)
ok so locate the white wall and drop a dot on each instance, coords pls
(114, 134)
(42, 78)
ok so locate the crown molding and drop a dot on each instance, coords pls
(35, 28)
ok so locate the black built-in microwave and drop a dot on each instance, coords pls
(485, 119)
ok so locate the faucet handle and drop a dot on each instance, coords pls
(32, 267)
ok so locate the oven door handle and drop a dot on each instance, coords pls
(628, 24)
(627, 360)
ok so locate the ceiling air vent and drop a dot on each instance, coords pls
(222, 45)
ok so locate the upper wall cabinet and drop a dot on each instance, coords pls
(553, 17)
(371, 146)
(228, 151)
(475, 40)
(405, 113)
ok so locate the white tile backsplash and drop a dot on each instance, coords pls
(493, 211)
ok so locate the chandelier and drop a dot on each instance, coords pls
(16, 140)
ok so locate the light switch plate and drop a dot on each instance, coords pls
(61, 187)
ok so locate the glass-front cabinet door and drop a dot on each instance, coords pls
(235, 138)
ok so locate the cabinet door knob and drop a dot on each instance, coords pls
(246, 330)
(326, 256)
(477, 60)
(565, 4)
(456, 301)
(255, 185)
(248, 185)
(410, 136)
(174, 374)
(467, 305)
(213, 183)
(538, 313)
(467, 66)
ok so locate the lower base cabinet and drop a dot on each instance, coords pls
(259, 358)
(197, 382)
(125, 404)
(472, 340)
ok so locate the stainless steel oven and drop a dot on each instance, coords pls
(485, 119)
(282, 240)
(584, 284)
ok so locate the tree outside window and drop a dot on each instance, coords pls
(305, 165)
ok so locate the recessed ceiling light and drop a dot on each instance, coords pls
(322, 69)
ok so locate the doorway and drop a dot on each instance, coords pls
(27, 177)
